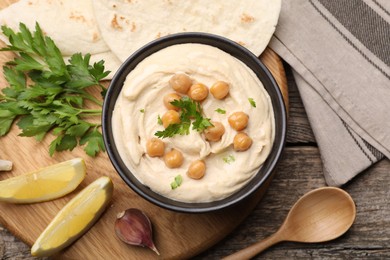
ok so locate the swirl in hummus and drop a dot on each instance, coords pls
(140, 105)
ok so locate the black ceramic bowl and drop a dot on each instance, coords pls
(234, 49)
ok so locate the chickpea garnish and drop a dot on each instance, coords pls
(155, 147)
(238, 120)
(197, 169)
(180, 83)
(198, 92)
(220, 89)
(242, 142)
(168, 98)
(214, 133)
(170, 117)
(173, 159)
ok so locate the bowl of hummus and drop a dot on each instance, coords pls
(194, 122)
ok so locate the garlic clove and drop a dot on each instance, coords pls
(133, 227)
(5, 165)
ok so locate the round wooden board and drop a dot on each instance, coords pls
(177, 235)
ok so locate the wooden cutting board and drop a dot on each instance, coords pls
(177, 235)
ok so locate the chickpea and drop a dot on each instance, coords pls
(173, 159)
(155, 147)
(170, 117)
(238, 120)
(197, 169)
(168, 98)
(214, 133)
(198, 92)
(220, 89)
(180, 83)
(242, 142)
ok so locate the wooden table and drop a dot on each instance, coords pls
(299, 171)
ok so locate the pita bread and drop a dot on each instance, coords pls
(71, 24)
(126, 25)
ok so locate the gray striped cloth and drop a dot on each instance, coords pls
(340, 54)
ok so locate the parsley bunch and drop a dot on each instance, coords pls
(46, 95)
(190, 109)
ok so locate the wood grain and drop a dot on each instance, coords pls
(299, 171)
(177, 235)
(320, 215)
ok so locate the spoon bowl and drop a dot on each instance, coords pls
(320, 215)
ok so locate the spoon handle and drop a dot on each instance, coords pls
(256, 248)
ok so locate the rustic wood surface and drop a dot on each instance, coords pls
(299, 171)
(177, 235)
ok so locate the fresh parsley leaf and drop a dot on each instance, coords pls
(5, 124)
(200, 124)
(94, 141)
(159, 120)
(189, 110)
(16, 79)
(79, 68)
(173, 129)
(177, 182)
(189, 106)
(252, 102)
(52, 100)
(83, 74)
(9, 111)
(220, 110)
(68, 142)
(229, 159)
(54, 144)
(31, 126)
(97, 70)
(78, 130)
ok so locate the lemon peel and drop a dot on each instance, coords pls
(77, 216)
(44, 184)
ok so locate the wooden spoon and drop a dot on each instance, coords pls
(320, 215)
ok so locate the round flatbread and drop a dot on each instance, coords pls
(71, 24)
(127, 25)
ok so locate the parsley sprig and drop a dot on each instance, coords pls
(53, 98)
(191, 113)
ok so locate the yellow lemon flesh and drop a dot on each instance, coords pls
(78, 215)
(44, 184)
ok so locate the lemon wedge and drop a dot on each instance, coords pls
(77, 216)
(44, 184)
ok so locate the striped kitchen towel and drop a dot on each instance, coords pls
(340, 54)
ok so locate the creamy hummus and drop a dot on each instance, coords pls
(140, 103)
